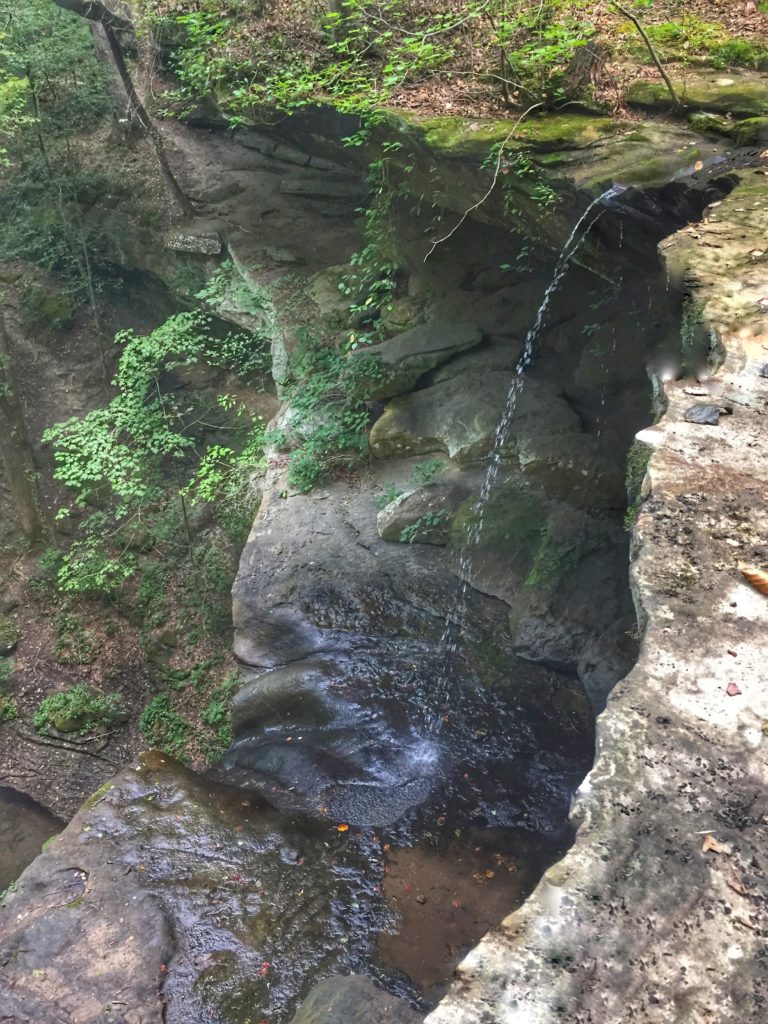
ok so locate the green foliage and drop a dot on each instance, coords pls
(6, 669)
(638, 457)
(227, 284)
(9, 710)
(164, 728)
(425, 472)
(360, 54)
(14, 99)
(51, 87)
(327, 397)
(74, 644)
(216, 714)
(739, 53)
(692, 38)
(45, 579)
(371, 284)
(517, 168)
(538, 43)
(53, 51)
(151, 441)
(388, 495)
(424, 524)
(78, 709)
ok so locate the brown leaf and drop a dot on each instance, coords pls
(735, 883)
(710, 843)
(756, 577)
(732, 689)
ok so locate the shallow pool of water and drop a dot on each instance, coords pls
(444, 894)
(24, 827)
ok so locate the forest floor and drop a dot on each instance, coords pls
(461, 75)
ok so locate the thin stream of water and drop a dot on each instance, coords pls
(454, 621)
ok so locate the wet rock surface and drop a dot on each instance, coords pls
(340, 1000)
(169, 898)
(369, 718)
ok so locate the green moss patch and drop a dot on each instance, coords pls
(742, 95)
(462, 137)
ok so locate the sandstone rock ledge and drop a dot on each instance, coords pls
(641, 922)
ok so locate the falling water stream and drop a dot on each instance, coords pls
(450, 638)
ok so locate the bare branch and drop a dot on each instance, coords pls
(496, 173)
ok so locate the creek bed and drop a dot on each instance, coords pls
(447, 894)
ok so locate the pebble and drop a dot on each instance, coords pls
(708, 415)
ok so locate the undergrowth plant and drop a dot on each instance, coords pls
(78, 709)
(164, 728)
(9, 709)
(153, 446)
(327, 398)
(359, 54)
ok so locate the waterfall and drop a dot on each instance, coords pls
(450, 638)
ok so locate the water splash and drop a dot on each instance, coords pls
(455, 620)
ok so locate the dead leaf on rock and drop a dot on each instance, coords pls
(756, 577)
(735, 883)
(710, 843)
(732, 689)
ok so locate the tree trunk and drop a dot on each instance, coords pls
(95, 10)
(16, 452)
(146, 122)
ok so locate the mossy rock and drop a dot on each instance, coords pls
(752, 131)
(45, 307)
(511, 526)
(462, 137)
(743, 95)
(9, 635)
(711, 124)
(65, 723)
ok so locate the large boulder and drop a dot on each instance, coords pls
(410, 355)
(461, 414)
(171, 899)
(353, 1000)
(424, 515)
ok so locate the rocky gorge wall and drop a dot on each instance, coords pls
(341, 601)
